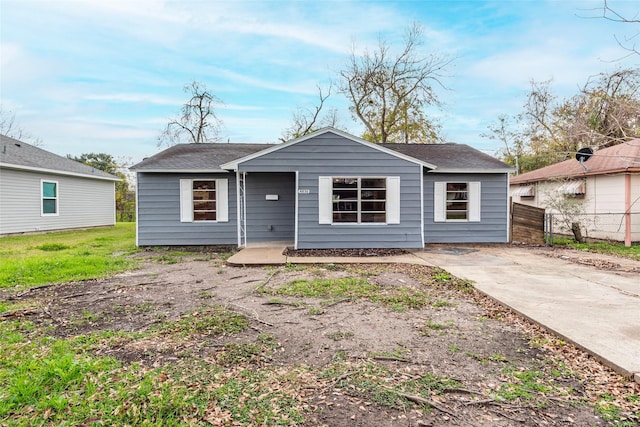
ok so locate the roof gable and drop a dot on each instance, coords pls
(623, 157)
(16, 154)
(234, 164)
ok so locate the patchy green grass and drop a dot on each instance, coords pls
(66, 256)
(63, 381)
(384, 386)
(352, 288)
(524, 384)
(208, 321)
(431, 326)
(607, 248)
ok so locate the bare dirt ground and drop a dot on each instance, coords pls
(460, 335)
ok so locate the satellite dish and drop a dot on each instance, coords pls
(584, 154)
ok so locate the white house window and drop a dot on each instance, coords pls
(359, 200)
(204, 200)
(49, 198)
(456, 201)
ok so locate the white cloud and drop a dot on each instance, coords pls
(136, 98)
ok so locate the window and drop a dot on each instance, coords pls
(359, 200)
(456, 201)
(204, 200)
(49, 198)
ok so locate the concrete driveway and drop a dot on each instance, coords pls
(598, 310)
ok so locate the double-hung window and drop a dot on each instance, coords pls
(359, 200)
(457, 206)
(49, 198)
(204, 200)
(456, 201)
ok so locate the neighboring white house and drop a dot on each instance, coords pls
(41, 191)
(607, 184)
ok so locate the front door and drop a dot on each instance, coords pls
(270, 206)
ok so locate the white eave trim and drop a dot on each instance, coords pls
(151, 170)
(450, 170)
(233, 165)
(57, 172)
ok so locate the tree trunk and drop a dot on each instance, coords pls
(577, 233)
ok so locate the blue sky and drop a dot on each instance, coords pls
(105, 76)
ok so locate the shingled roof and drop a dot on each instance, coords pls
(206, 157)
(451, 157)
(619, 158)
(15, 154)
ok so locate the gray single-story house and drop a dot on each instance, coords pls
(41, 191)
(328, 189)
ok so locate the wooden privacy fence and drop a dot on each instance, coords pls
(527, 224)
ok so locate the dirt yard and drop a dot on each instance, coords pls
(502, 371)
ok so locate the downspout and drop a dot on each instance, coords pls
(627, 209)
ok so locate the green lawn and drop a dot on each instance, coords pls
(608, 248)
(66, 256)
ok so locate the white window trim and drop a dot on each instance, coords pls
(325, 200)
(57, 198)
(222, 200)
(440, 201)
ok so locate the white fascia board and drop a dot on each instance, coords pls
(57, 172)
(234, 164)
(179, 170)
(472, 171)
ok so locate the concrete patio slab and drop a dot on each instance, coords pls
(259, 255)
(597, 310)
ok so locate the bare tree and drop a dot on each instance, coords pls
(388, 93)
(197, 122)
(605, 112)
(307, 120)
(513, 150)
(630, 43)
(9, 127)
(568, 212)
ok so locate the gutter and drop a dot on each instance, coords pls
(59, 172)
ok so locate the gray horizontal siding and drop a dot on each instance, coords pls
(82, 202)
(332, 155)
(159, 213)
(270, 220)
(493, 225)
